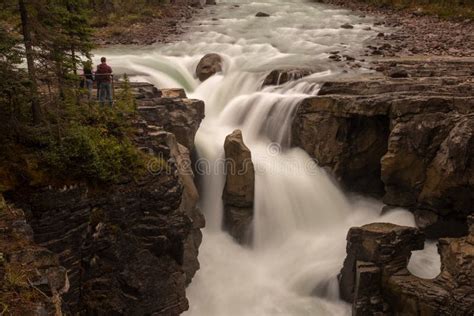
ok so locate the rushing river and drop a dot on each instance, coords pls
(301, 216)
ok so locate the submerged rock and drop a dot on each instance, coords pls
(375, 278)
(262, 15)
(347, 26)
(281, 76)
(208, 66)
(238, 194)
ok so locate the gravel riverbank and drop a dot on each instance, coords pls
(414, 33)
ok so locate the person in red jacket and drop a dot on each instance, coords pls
(103, 76)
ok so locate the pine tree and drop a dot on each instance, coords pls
(13, 86)
(30, 60)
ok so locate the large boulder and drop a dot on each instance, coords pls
(238, 194)
(208, 66)
(375, 278)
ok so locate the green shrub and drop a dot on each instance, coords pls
(91, 153)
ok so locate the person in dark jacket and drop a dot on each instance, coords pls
(103, 76)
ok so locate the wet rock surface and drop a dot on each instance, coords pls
(281, 76)
(376, 281)
(262, 15)
(238, 194)
(408, 139)
(208, 66)
(129, 248)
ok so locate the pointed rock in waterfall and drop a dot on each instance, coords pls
(238, 192)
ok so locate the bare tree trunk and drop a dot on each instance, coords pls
(25, 24)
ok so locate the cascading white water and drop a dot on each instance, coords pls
(301, 216)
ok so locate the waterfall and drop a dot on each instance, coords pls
(301, 215)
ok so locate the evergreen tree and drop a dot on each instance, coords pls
(30, 60)
(14, 83)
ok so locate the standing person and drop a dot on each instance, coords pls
(88, 78)
(103, 76)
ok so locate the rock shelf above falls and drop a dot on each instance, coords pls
(406, 136)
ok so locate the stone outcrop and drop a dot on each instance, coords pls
(239, 190)
(172, 111)
(208, 66)
(281, 76)
(189, 205)
(32, 279)
(376, 281)
(407, 139)
(129, 248)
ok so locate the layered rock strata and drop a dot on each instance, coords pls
(409, 139)
(32, 281)
(375, 278)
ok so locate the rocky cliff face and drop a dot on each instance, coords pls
(376, 281)
(407, 136)
(129, 248)
(32, 279)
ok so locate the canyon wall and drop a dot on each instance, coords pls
(407, 136)
(130, 248)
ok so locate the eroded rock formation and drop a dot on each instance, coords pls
(129, 248)
(239, 191)
(410, 140)
(376, 281)
(208, 66)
